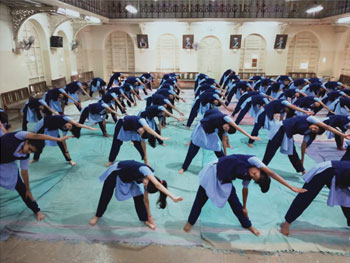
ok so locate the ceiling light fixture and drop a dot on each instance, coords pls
(314, 9)
(131, 9)
(344, 20)
(93, 19)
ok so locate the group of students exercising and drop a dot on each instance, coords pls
(297, 101)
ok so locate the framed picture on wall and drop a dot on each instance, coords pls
(235, 41)
(142, 41)
(187, 41)
(280, 41)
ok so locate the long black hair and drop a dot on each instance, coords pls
(151, 188)
(38, 144)
(264, 182)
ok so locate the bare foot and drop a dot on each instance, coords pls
(40, 216)
(181, 171)
(285, 228)
(254, 231)
(303, 172)
(106, 135)
(229, 146)
(108, 164)
(188, 144)
(72, 163)
(187, 227)
(341, 149)
(250, 145)
(187, 127)
(93, 221)
(163, 144)
(150, 225)
(33, 161)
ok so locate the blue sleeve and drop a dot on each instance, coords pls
(172, 92)
(161, 108)
(143, 122)
(285, 103)
(79, 84)
(313, 120)
(62, 90)
(42, 102)
(67, 118)
(256, 162)
(342, 93)
(21, 135)
(113, 95)
(24, 164)
(121, 91)
(104, 105)
(245, 184)
(145, 171)
(317, 99)
(138, 80)
(216, 96)
(212, 86)
(266, 100)
(167, 101)
(98, 83)
(227, 119)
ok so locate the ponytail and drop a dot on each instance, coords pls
(151, 188)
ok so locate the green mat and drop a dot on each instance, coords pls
(69, 196)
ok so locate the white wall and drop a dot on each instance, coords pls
(14, 75)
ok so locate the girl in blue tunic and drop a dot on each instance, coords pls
(341, 106)
(18, 146)
(72, 89)
(334, 174)
(308, 103)
(125, 177)
(50, 125)
(97, 113)
(282, 137)
(253, 105)
(31, 111)
(205, 135)
(265, 117)
(52, 98)
(114, 80)
(147, 79)
(97, 85)
(215, 183)
(149, 114)
(131, 128)
(341, 122)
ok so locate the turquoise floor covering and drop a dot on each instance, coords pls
(69, 195)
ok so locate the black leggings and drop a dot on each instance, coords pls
(21, 189)
(106, 196)
(117, 143)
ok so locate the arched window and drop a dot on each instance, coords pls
(119, 53)
(346, 65)
(209, 57)
(253, 54)
(33, 56)
(303, 53)
(81, 54)
(168, 50)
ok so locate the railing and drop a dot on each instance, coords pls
(211, 9)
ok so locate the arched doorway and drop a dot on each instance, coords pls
(253, 54)
(209, 57)
(119, 53)
(303, 53)
(33, 57)
(346, 65)
(168, 50)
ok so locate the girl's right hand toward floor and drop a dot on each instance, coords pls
(177, 199)
(62, 139)
(298, 190)
(165, 138)
(254, 231)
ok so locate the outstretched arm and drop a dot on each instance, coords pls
(36, 136)
(293, 107)
(282, 181)
(174, 107)
(112, 111)
(234, 125)
(152, 132)
(51, 110)
(85, 92)
(172, 115)
(161, 188)
(331, 129)
(79, 125)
